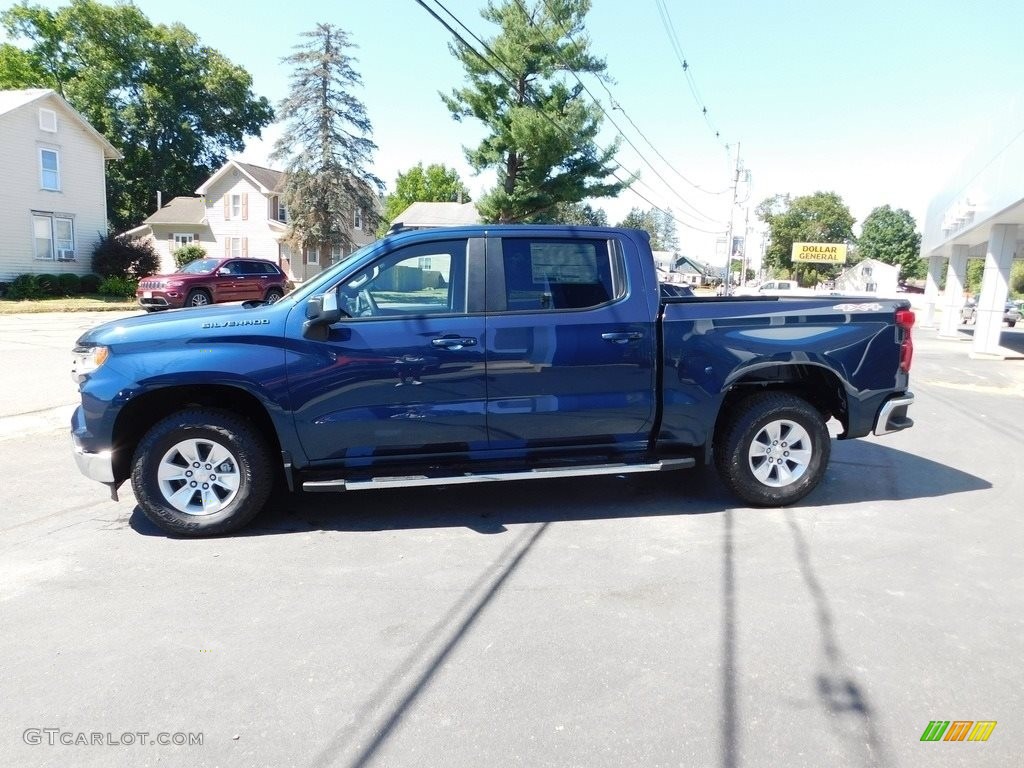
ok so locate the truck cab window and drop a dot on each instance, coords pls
(427, 279)
(553, 274)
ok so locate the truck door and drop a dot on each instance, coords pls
(570, 345)
(404, 375)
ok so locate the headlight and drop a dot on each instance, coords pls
(85, 360)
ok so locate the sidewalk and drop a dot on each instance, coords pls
(36, 390)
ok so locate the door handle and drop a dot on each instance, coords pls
(622, 338)
(455, 343)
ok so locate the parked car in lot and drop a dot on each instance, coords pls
(213, 281)
(670, 290)
(969, 313)
(773, 288)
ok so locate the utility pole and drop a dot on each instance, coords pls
(746, 237)
(728, 237)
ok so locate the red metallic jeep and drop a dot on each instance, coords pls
(211, 281)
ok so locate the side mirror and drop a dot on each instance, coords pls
(321, 313)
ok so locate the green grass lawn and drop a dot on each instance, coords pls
(91, 303)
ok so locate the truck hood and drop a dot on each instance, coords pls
(190, 323)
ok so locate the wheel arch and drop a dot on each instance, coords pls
(817, 384)
(142, 412)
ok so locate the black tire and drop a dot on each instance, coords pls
(274, 295)
(240, 458)
(772, 480)
(198, 298)
(1011, 323)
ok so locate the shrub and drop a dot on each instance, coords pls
(69, 284)
(25, 287)
(48, 284)
(89, 283)
(122, 257)
(118, 286)
(3, 289)
(188, 253)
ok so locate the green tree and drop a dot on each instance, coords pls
(172, 106)
(326, 144)
(975, 272)
(541, 128)
(434, 184)
(657, 223)
(892, 236)
(17, 70)
(819, 218)
(577, 215)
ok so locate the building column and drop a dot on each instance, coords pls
(994, 286)
(931, 290)
(956, 278)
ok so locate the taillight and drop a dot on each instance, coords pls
(905, 322)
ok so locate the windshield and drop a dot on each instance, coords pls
(199, 267)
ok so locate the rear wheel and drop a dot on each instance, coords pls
(197, 298)
(201, 472)
(773, 450)
(274, 295)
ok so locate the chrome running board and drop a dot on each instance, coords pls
(412, 481)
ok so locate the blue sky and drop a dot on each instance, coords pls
(877, 101)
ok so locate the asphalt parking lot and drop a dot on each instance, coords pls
(633, 621)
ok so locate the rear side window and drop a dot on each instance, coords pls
(545, 274)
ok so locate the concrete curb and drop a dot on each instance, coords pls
(46, 420)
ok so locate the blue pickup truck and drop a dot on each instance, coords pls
(476, 354)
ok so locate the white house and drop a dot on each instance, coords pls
(239, 212)
(870, 276)
(53, 200)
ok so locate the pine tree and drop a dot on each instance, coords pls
(541, 125)
(326, 144)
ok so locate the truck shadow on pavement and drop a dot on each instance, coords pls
(860, 472)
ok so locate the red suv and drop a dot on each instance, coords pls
(211, 281)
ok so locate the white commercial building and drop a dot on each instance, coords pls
(979, 215)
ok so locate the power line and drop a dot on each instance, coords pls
(673, 38)
(600, 106)
(543, 114)
(616, 104)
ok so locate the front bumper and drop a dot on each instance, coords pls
(96, 466)
(892, 416)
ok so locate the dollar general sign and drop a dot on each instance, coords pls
(828, 253)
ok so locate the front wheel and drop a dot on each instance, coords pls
(201, 472)
(197, 298)
(773, 450)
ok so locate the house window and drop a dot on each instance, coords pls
(233, 247)
(337, 251)
(282, 212)
(48, 120)
(181, 240)
(357, 219)
(866, 272)
(49, 169)
(312, 255)
(871, 287)
(53, 236)
(236, 206)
